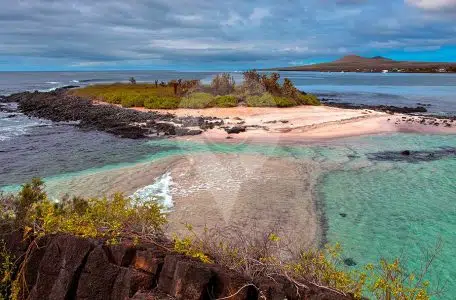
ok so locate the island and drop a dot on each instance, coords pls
(377, 64)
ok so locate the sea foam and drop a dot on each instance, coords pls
(159, 191)
(15, 126)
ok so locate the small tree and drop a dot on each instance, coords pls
(252, 83)
(223, 84)
(289, 90)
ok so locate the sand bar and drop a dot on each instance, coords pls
(249, 192)
(309, 123)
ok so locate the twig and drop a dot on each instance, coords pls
(242, 287)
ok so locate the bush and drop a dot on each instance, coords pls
(133, 101)
(265, 100)
(197, 100)
(6, 272)
(268, 100)
(222, 84)
(112, 98)
(284, 102)
(252, 84)
(308, 99)
(260, 254)
(271, 83)
(161, 102)
(109, 218)
(289, 90)
(226, 101)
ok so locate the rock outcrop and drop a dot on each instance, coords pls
(59, 106)
(69, 267)
(383, 108)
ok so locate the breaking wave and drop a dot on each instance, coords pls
(159, 191)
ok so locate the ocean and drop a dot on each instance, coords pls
(375, 203)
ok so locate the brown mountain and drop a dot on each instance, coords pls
(355, 63)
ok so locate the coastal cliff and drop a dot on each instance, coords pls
(69, 267)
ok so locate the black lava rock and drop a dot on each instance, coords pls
(350, 262)
(235, 129)
(60, 106)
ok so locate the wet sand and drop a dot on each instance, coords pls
(249, 192)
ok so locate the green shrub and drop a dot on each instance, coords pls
(161, 102)
(268, 100)
(226, 101)
(284, 102)
(265, 100)
(6, 272)
(308, 99)
(30, 194)
(112, 98)
(197, 100)
(109, 218)
(133, 101)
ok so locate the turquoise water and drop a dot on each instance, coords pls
(396, 209)
(376, 202)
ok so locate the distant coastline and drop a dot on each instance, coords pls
(377, 64)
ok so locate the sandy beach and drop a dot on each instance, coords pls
(249, 193)
(246, 192)
(309, 123)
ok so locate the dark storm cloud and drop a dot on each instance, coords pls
(158, 32)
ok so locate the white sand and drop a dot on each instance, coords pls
(305, 123)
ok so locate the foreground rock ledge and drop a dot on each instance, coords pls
(68, 267)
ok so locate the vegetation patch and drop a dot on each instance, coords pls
(197, 100)
(264, 254)
(263, 90)
(226, 101)
(161, 102)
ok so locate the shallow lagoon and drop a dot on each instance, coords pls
(376, 202)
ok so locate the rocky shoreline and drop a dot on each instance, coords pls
(69, 267)
(58, 106)
(382, 108)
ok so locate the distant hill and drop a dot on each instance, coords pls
(355, 63)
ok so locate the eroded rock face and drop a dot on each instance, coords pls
(68, 267)
(63, 258)
(99, 278)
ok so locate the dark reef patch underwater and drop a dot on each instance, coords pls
(413, 156)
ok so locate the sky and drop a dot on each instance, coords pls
(219, 34)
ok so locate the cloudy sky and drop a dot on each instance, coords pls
(219, 34)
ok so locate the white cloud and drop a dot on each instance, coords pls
(258, 14)
(432, 4)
